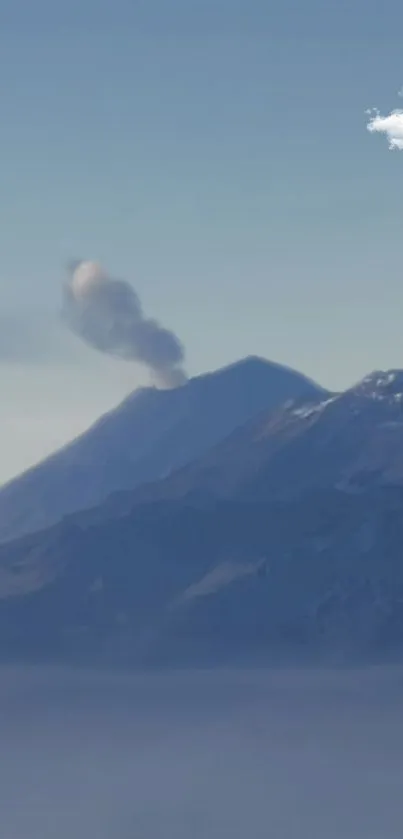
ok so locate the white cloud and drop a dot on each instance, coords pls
(391, 125)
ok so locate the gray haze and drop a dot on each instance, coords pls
(288, 755)
(107, 314)
(32, 337)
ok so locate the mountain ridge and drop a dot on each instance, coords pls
(339, 439)
(300, 555)
(150, 434)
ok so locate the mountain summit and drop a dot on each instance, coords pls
(346, 441)
(152, 433)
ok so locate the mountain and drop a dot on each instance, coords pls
(347, 440)
(312, 577)
(289, 543)
(150, 434)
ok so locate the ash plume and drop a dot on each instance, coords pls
(107, 314)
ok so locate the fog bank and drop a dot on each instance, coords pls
(183, 756)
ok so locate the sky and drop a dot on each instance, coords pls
(215, 154)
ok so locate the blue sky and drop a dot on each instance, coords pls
(216, 155)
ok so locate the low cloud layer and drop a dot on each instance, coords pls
(391, 126)
(107, 314)
(207, 755)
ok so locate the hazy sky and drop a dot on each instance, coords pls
(215, 153)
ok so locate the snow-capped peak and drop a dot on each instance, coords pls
(382, 385)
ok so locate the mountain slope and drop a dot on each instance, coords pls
(344, 440)
(289, 543)
(176, 584)
(152, 433)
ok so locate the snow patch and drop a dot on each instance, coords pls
(383, 385)
(309, 410)
(220, 577)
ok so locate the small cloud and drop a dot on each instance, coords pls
(390, 125)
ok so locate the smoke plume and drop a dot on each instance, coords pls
(106, 313)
